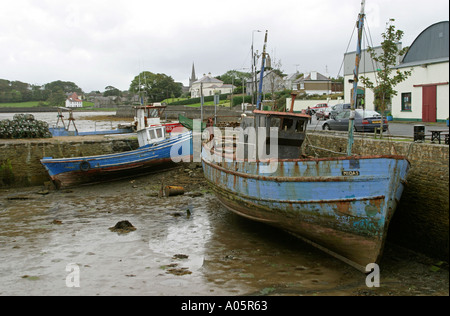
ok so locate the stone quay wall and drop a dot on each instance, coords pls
(20, 159)
(421, 220)
(172, 112)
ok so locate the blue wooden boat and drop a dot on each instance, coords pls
(155, 151)
(341, 205)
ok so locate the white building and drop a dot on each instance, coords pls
(424, 96)
(73, 101)
(209, 86)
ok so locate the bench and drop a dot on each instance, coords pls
(436, 135)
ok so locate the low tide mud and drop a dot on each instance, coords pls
(126, 238)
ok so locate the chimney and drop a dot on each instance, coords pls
(313, 75)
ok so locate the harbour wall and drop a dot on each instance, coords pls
(172, 112)
(421, 220)
(420, 223)
(20, 159)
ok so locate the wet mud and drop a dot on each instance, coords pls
(186, 244)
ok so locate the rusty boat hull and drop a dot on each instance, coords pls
(340, 205)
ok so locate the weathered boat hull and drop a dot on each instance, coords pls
(67, 172)
(359, 196)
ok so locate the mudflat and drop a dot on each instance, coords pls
(63, 242)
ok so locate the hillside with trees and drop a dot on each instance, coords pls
(52, 93)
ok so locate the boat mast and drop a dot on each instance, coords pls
(351, 122)
(258, 103)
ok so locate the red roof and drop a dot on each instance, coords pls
(74, 98)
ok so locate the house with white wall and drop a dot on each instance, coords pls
(73, 101)
(209, 86)
(423, 96)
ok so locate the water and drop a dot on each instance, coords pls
(82, 121)
(46, 236)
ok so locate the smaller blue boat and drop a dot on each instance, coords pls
(156, 150)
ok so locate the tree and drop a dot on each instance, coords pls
(386, 77)
(234, 77)
(65, 86)
(57, 98)
(112, 91)
(155, 87)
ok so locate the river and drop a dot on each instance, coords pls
(84, 121)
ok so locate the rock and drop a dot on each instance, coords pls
(180, 256)
(123, 227)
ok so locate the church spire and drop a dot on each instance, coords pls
(192, 79)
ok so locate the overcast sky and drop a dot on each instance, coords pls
(97, 43)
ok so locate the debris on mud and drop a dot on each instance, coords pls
(180, 256)
(179, 271)
(123, 227)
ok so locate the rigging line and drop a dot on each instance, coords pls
(346, 51)
(246, 58)
(370, 44)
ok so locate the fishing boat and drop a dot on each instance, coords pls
(156, 149)
(342, 205)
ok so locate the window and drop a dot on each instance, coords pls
(286, 124)
(343, 115)
(159, 132)
(406, 101)
(300, 126)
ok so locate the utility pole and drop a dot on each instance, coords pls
(253, 69)
(201, 103)
(260, 93)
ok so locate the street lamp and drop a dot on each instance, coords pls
(253, 68)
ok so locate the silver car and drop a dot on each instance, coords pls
(336, 109)
(365, 121)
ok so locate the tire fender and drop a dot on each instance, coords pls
(85, 165)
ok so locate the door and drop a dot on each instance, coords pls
(429, 104)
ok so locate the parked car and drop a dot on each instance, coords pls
(336, 109)
(319, 107)
(323, 114)
(365, 121)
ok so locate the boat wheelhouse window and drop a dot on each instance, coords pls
(300, 126)
(152, 134)
(287, 124)
(159, 133)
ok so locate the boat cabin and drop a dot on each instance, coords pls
(291, 130)
(151, 135)
(148, 115)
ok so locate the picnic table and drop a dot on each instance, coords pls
(436, 135)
